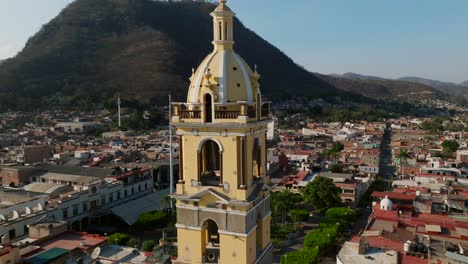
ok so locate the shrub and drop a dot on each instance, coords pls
(318, 239)
(152, 220)
(148, 245)
(306, 255)
(342, 213)
(132, 243)
(119, 239)
(326, 222)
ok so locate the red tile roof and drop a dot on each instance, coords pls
(395, 195)
(385, 214)
(72, 240)
(382, 242)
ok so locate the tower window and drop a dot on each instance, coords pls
(220, 31)
(234, 68)
(210, 159)
(238, 84)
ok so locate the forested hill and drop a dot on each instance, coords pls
(143, 49)
(140, 48)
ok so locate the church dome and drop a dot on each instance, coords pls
(224, 74)
(386, 204)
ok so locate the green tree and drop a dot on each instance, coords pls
(449, 146)
(282, 202)
(322, 193)
(336, 168)
(319, 239)
(306, 255)
(152, 220)
(119, 239)
(403, 157)
(337, 147)
(342, 213)
(148, 245)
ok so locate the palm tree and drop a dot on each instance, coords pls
(403, 157)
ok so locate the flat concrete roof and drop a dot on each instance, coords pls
(349, 255)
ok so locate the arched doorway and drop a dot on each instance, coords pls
(208, 107)
(210, 242)
(210, 164)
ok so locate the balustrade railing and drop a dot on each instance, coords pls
(190, 114)
(224, 114)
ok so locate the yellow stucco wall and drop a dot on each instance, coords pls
(231, 159)
(189, 245)
(235, 249)
(266, 231)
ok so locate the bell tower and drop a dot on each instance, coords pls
(223, 200)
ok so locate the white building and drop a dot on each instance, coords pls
(91, 197)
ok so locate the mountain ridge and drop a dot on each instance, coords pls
(142, 50)
(449, 88)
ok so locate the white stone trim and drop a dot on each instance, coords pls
(200, 144)
(217, 210)
(229, 233)
(201, 72)
(206, 191)
(213, 210)
(229, 134)
(246, 77)
(188, 227)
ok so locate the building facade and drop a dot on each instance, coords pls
(223, 201)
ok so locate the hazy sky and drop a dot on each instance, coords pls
(388, 38)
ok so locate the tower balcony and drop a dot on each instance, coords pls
(238, 112)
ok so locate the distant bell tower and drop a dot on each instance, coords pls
(223, 199)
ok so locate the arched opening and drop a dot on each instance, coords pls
(210, 242)
(220, 30)
(208, 107)
(210, 164)
(256, 159)
(258, 106)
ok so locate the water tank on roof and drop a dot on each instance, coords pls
(406, 246)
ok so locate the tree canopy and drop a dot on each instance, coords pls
(449, 146)
(119, 239)
(322, 193)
